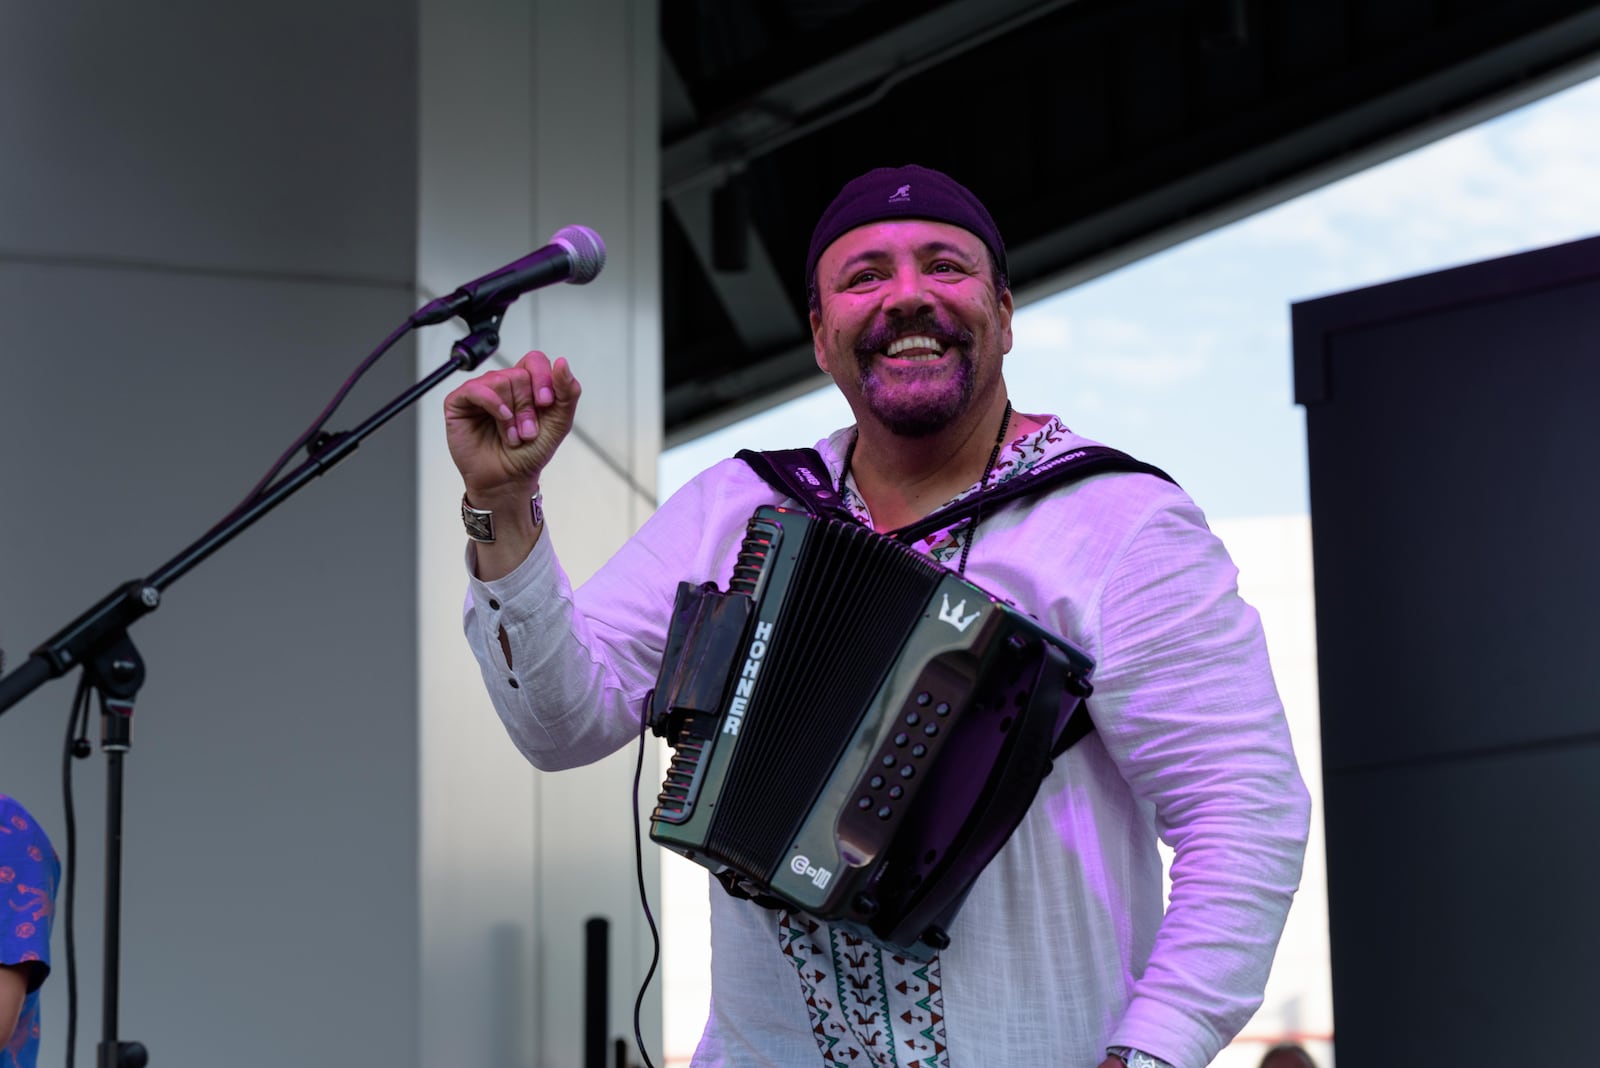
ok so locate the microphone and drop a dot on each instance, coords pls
(575, 254)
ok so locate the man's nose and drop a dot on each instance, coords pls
(908, 293)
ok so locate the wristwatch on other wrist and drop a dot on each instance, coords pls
(480, 521)
(1136, 1058)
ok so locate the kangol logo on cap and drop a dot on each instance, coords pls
(901, 195)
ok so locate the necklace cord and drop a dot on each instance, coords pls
(983, 488)
(983, 483)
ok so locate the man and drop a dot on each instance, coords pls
(29, 872)
(1287, 1055)
(1062, 954)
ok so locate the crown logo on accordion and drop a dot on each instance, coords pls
(954, 617)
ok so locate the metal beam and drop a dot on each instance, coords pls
(849, 82)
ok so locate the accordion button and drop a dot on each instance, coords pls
(924, 698)
(888, 760)
(906, 771)
(902, 738)
(885, 812)
(919, 750)
(876, 782)
(913, 718)
(943, 708)
(897, 792)
(931, 729)
(863, 803)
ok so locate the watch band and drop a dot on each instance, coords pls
(1136, 1058)
(480, 521)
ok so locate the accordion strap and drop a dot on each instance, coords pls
(803, 476)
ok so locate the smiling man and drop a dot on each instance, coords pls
(1064, 952)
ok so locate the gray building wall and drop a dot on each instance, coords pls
(208, 215)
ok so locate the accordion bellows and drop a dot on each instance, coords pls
(856, 731)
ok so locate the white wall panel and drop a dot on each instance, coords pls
(270, 790)
(244, 136)
(557, 101)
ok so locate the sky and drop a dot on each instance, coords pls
(1183, 358)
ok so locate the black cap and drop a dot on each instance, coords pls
(909, 192)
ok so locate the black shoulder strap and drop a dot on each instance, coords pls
(1049, 474)
(802, 475)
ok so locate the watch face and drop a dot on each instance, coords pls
(480, 525)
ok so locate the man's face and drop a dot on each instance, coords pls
(910, 326)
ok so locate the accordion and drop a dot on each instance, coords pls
(855, 730)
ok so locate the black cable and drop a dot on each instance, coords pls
(316, 426)
(644, 898)
(75, 748)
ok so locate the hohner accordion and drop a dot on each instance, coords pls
(855, 730)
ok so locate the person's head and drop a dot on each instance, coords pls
(910, 305)
(1287, 1055)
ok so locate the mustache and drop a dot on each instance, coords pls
(923, 324)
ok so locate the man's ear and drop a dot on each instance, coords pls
(816, 343)
(1006, 308)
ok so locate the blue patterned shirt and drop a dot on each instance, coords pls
(29, 872)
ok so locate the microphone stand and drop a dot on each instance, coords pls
(98, 640)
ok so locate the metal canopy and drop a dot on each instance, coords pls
(1096, 131)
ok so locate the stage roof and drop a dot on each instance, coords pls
(1097, 131)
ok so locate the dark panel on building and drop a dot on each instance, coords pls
(1452, 445)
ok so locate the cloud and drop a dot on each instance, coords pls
(1524, 180)
(1059, 343)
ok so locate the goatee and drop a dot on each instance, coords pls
(915, 403)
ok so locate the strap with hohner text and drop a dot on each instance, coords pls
(803, 476)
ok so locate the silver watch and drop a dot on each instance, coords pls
(480, 521)
(1136, 1058)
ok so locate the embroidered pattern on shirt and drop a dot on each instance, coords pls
(1021, 455)
(867, 1007)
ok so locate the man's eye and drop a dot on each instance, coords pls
(944, 267)
(864, 276)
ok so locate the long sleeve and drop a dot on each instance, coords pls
(1067, 943)
(1188, 710)
(582, 661)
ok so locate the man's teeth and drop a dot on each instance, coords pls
(931, 346)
